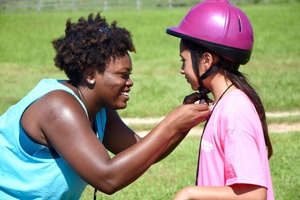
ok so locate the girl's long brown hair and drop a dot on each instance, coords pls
(241, 82)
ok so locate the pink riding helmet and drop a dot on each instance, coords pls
(220, 27)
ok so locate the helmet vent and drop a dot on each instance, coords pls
(240, 25)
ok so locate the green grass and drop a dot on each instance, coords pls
(26, 56)
(289, 119)
(163, 180)
(285, 166)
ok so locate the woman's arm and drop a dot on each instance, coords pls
(234, 192)
(60, 122)
(119, 136)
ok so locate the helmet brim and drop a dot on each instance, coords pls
(235, 55)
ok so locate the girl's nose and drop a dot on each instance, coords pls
(182, 70)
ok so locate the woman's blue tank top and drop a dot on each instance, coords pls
(27, 169)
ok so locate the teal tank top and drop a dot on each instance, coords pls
(29, 170)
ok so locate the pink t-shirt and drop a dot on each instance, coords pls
(233, 148)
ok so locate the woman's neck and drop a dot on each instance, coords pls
(80, 93)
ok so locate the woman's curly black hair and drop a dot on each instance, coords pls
(90, 45)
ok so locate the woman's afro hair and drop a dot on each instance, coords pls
(90, 45)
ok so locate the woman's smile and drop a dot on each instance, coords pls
(125, 94)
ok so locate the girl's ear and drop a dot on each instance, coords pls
(207, 60)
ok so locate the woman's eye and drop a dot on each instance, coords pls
(126, 76)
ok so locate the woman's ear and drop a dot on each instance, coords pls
(89, 76)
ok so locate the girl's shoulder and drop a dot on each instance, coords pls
(236, 103)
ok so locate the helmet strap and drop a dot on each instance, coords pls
(214, 68)
(202, 90)
(211, 70)
(228, 65)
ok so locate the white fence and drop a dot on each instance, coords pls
(91, 5)
(75, 5)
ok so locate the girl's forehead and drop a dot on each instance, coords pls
(182, 45)
(183, 50)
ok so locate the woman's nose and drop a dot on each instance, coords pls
(129, 82)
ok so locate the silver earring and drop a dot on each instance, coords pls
(92, 82)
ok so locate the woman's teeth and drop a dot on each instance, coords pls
(125, 94)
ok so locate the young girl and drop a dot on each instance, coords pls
(216, 38)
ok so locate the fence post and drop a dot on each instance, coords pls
(73, 5)
(38, 5)
(105, 5)
(170, 3)
(138, 4)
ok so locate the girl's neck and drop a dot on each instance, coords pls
(218, 85)
(226, 90)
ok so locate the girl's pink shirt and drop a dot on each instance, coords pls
(233, 148)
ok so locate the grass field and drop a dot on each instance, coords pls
(164, 179)
(26, 57)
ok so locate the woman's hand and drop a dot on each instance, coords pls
(186, 116)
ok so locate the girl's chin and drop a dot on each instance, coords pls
(194, 88)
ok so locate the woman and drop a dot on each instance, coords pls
(216, 38)
(55, 140)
